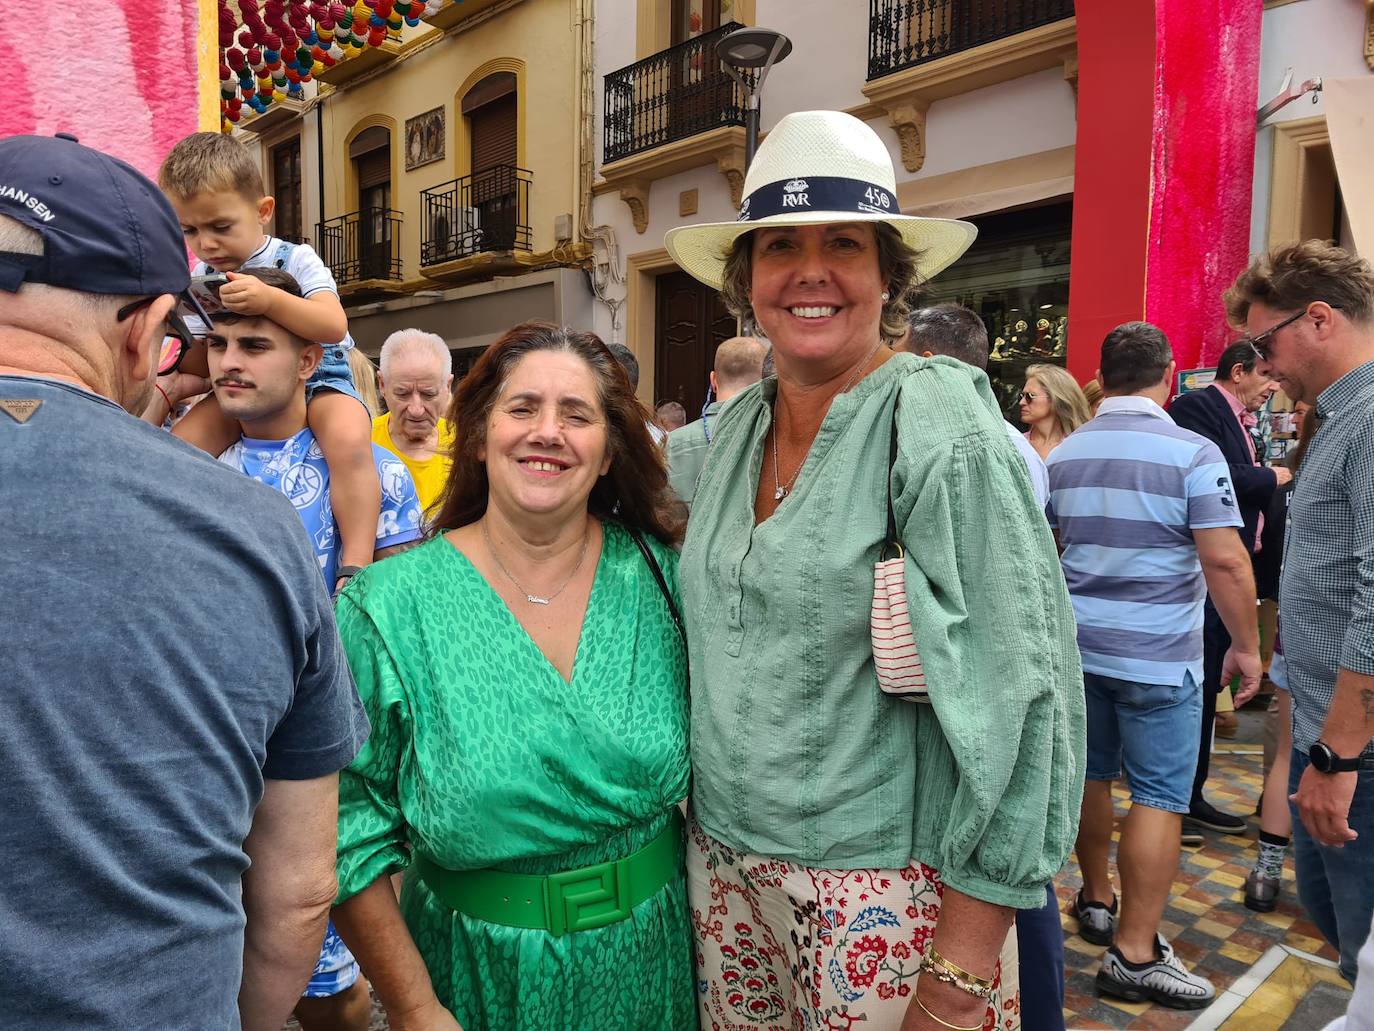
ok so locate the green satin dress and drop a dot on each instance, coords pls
(482, 755)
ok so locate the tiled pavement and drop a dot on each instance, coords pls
(1261, 963)
(1213, 932)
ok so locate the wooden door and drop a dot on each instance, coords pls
(691, 322)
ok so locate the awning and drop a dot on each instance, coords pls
(1350, 123)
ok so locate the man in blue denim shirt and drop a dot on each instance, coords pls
(1309, 310)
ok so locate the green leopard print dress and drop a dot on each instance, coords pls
(482, 755)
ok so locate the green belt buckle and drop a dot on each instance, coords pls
(593, 896)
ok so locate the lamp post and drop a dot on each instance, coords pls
(752, 48)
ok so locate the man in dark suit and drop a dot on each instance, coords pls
(1224, 413)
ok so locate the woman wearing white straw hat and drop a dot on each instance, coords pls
(855, 856)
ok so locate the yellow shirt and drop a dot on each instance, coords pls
(429, 474)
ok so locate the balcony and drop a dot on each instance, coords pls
(905, 33)
(483, 214)
(363, 250)
(456, 11)
(921, 51)
(670, 112)
(357, 63)
(279, 114)
(670, 96)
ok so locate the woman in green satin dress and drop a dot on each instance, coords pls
(526, 684)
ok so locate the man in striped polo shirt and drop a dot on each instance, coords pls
(1148, 523)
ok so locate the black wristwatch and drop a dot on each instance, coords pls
(1324, 760)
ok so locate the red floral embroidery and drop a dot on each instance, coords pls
(833, 950)
(862, 961)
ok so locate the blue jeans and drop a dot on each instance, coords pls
(1336, 885)
(1150, 729)
(1040, 941)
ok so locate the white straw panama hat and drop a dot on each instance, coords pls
(816, 167)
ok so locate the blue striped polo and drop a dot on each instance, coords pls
(1127, 490)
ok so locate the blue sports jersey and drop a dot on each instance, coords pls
(297, 468)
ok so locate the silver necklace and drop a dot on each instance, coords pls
(535, 599)
(781, 490)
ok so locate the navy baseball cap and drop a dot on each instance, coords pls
(106, 227)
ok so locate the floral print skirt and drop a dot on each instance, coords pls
(781, 947)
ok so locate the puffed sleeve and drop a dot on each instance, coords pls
(372, 827)
(1001, 747)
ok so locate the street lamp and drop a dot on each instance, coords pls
(752, 48)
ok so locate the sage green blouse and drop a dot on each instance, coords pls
(796, 752)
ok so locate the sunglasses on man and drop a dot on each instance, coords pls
(1261, 341)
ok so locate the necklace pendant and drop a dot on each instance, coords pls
(780, 493)
(534, 599)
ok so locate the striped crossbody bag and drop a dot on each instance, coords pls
(896, 660)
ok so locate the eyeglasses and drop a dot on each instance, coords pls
(1261, 341)
(1026, 397)
(175, 343)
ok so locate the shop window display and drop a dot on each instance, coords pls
(1016, 277)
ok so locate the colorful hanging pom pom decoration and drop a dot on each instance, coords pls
(269, 49)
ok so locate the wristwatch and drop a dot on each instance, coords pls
(1324, 760)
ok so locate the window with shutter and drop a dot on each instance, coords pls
(286, 188)
(494, 133)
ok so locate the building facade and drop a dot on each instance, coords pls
(440, 174)
(979, 107)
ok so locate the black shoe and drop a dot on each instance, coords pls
(1204, 814)
(1096, 922)
(1261, 892)
(1165, 981)
(1192, 834)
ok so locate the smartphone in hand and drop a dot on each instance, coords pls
(206, 291)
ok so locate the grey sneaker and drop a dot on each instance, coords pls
(1165, 981)
(1096, 922)
(1261, 892)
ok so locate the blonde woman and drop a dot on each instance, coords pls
(365, 379)
(1053, 406)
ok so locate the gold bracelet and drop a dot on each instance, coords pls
(941, 961)
(947, 976)
(944, 1023)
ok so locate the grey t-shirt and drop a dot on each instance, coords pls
(166, 643)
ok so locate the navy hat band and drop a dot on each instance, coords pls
(818, 193)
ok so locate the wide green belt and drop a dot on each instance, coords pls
(571, 900)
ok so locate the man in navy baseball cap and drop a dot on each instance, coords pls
(168, 790)
(82, 221)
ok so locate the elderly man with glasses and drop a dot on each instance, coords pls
(1309, 310)
(170, 753)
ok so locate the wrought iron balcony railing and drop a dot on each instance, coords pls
(903, 33)
(363, 244)
(477, 214)
(670, 96)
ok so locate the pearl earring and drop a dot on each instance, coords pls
(885, 296)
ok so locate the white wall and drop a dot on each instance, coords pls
(829, 59)
(1317, 39)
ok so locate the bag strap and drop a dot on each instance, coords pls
(892, 540)
(652, 562)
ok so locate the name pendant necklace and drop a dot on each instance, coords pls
(535, 599)
(782, 489)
